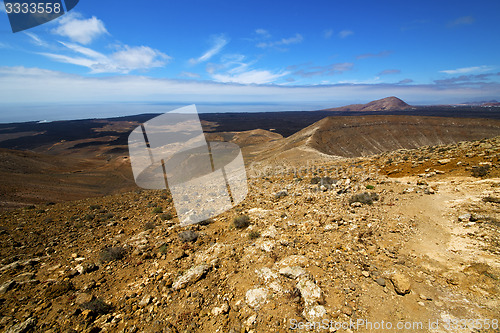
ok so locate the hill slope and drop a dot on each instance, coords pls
(385, 104)
(368, 135)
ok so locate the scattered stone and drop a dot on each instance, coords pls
(381, 281)
(145, 301)
(23, 327)
(293, 272)
(255, 297)
(314, 313)
(401, 283)
(365, 273)
(191, 276)
(281, 194)
(86, 268)
(310, 292)
(7, 286)
(444, 161)
(464, 217)
(223, 309)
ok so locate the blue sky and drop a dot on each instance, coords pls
(123, 57)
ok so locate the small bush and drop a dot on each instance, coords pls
(188, 236)
(206, 222)
(166, 216)
(157, 210)
(95, 207)
(163, 248)
(370, 187)
(97, 306)
(30, 207)
(241, 222)
(149, 226)
(89, 217)
(112, 253)
(253, 235)
(364, 198)
(480, 171)
(152, 204)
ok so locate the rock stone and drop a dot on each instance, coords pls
(314, 313)
(310, 292)
(255, 297)
(7, 286)
(293, 272)
(23, 327)
(401, 283)
(190, 276)
(224, 308)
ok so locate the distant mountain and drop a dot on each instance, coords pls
(483, 103)
(385, 104)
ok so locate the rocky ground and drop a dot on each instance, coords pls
(409, 237)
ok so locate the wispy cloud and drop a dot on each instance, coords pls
(2, 7)
(35, 39)
(80, 30)
(465, 70)
(380, 54)
(467, 79)
(328, 33)
(218, 43)
(389, 71)
(346, 33)
(405, 81)
(263, 33)
(190, 75)
(464, 20)
(333, 69)
(124, 60)
(282, 42)
(236, 69)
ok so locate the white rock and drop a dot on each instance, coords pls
(270, 232)
(310, 292)
(266, 274)
(224, 308)
(190, 276)
(255, 297)
(314, 313)
(267, 246)
(292, 272)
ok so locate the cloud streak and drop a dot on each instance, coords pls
(333, 69)
(465, 70)
(218, 44)
(380, 54)
(389, 72)
(298, 38)
(464, 20)
(346, 33)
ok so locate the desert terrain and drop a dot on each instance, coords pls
(350, 221)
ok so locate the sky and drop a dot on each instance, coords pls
(111, 58)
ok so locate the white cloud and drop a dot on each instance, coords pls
(2, 7)
(389, 71)
(464, 20)
(328, 33)
(263, 33)
(190, 75)
(35, 39)
(249, 77)
(465, 70)
(218, 43)
(284, 41)
(125, 60)
(345, 33)
(80, 30)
